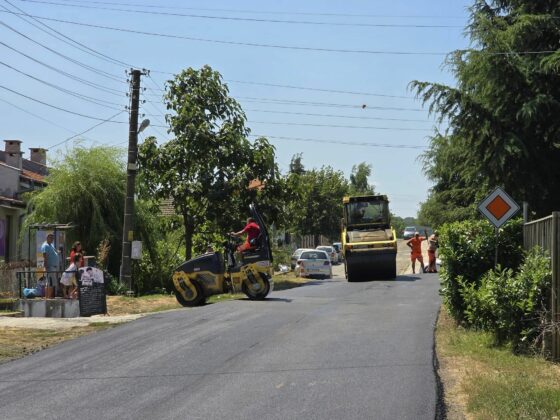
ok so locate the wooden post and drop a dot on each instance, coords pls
(555, 289)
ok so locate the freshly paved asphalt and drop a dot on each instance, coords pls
(329, 350)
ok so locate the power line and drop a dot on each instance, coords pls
(70, 41)
(244, 19)
(77, 62)
(86, 98)
(279, 46)
(340, 126)
(39, 117)
(56, 107)
(69, 75)
(346, 92)
(335, 115)
(325, 104)
(339, 142)
(87, 130)
(270, 12)
(226, 42)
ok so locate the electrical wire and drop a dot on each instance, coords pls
(262, 12)
(325, 104)
(245, 19)
(56, 107)
(70, 41)
(334, 115)
(77, 62)
(87, 130)
(86, 98)
(278, 46)
(339, 126)
(69, 75)
(339, 142)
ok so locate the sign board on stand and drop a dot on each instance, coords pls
(91, 291)
(498, 208)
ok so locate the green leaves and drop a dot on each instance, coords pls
(502, 113)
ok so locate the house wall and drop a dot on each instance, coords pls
(9, 180)
(9, 220)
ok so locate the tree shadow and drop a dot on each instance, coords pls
(407, 277)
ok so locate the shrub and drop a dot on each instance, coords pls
(511, 304)
(467, 252)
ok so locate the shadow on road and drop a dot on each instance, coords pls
(269, 299)
(407, 277)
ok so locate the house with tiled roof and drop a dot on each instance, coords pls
(17, 176)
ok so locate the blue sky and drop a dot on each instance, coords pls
(396, 170)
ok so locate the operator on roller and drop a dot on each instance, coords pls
(252, 230)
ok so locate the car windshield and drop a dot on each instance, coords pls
(410, 229)
(308, 255)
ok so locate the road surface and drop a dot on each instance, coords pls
(328, 350)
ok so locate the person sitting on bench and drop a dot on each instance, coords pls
(253, 231)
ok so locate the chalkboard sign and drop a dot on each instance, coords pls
(91, 292)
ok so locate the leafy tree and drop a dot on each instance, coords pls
(86, 187)
(359, 179)
(207, 167)
(296, 166)
(318, 196)
(503, 129)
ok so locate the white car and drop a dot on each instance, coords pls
(331, 252)
(314, 263)
(295, 257)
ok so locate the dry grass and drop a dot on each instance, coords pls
(19, 342)
(123, 305)
(483, 381)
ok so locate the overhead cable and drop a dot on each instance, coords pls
(247, 19)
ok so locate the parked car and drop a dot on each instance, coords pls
(314, 263)
(338, 248)
(331, 252)
(295, 256)
(409, 232)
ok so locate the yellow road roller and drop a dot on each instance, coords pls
(369, 243)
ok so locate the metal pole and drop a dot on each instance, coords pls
(128, 220)
(497, 230)
(525, 212)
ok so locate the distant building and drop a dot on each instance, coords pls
(17, 176)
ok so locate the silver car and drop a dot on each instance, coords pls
(295, 257)
(331, 252)
(314, 263)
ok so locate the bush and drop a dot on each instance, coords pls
(511, 304)
(467, 252)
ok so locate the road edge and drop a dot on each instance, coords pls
(441, 408)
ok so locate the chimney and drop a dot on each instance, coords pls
(13, 153)
(38, 155)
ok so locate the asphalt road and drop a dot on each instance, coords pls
(328, 350)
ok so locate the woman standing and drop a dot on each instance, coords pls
(77, 249)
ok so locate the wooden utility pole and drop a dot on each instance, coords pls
(131, 169)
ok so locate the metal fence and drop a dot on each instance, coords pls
(545, 233)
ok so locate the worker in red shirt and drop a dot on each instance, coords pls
(252, 230)
(415, 245)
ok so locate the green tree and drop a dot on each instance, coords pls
(359, 183)
(85, 187)
(503, 129)
(296, 166)
(208, 165)
(318, 198)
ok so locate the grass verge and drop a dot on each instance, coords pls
(483, 381)
(17, 342)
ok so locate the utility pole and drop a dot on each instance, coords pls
(131, 169)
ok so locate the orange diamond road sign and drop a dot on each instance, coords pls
(498, 207)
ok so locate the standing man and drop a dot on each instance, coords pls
(433, 245)
(50, 261)
(252, 229)
(415, 245)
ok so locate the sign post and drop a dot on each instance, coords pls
(498, 208)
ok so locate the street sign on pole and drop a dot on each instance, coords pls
(498, 207)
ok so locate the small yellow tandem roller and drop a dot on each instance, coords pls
(369, 243)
